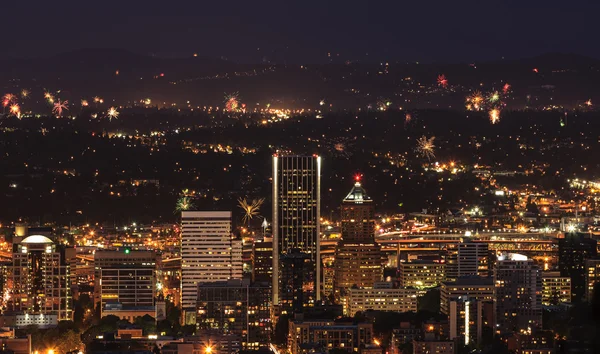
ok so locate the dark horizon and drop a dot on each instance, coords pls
(435, 31)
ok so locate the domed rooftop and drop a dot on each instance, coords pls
(36, 239)
(358, 194)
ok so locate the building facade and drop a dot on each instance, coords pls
(296, 217)
(209, 253)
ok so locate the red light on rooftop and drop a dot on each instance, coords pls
(357, 178)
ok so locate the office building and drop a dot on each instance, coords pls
(40, 280)
(592, 276)
(475, 288)
(518, 283)
(236, 307)
(125, 283)
(262, 260)
(555, 289)
(467, 258)
(358, 258)
(573, 250)
(209, 253)
(327, 335)
(379, 299)
(422, 274)
(296, 217)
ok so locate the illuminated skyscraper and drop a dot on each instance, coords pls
(296, 217)
(358, 259)
(39, 277)
(209, 253)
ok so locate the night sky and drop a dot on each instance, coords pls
(305, 31)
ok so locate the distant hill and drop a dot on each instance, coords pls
(124, 77)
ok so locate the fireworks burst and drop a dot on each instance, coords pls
(494, 97)
(425, 147)
(588, 103)
(49, 97)
(340, 147)
(59, 106)
(494, 115)
(15, 109)
(506, 88)
(112, 113)
(184, 203)
(84, 103)
(8, 99)
(250, 209)
(442, 81)
(321, 102)
(475, 101)
(407, 118)
(25, 93)
(232, 102)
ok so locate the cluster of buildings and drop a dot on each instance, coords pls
(484, 291)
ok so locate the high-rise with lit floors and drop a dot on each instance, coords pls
(39, 277)
(358, 258)
(467, 258)
(296, 217)
(209, 253)
(518, 283)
